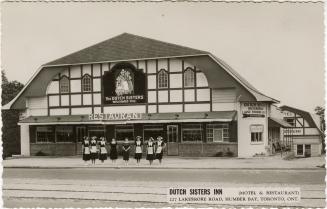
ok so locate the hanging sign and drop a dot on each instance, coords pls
(124, 84)
(253, 109)
(115, 116)
(257, 128)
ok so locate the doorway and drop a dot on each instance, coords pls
(172, 139)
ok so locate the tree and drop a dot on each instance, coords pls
(10, 118)
(320, 111)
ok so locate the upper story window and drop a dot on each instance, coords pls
(163, 79)
(189, 78)
(86, 83)
(64, 84)
(291, 121)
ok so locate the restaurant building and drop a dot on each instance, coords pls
(130, 86)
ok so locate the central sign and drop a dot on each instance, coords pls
(124, 84)
(115, 116)
(253, 109)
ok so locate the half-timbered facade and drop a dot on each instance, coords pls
(130, 86)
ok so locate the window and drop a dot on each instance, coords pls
(86, 83)
(256, 133)
(192, 132)
(162, 79)
(152, 130)
(217, 132)
(123, 131)
(96, 130)
(44, 134)
(64, 134)
(64, 85)
(291, 121)
(189, 77)
(299, 149)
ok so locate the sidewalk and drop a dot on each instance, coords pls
(271, 162)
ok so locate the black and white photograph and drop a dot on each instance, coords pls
(163, 104)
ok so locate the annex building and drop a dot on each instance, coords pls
(130, 86)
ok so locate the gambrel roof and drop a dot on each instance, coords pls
(128, 47)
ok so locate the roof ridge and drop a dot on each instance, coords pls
(164, 42)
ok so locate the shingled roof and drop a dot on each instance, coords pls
(126, 47)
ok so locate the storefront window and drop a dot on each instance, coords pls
(124, 131)
(44, 134)
(256, 133)
(217, 132)
(152, 130)
(192, 132)
(64, 134)
(96, 130)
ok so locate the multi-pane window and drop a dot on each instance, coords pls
(64, 85)
(124, 131)
(162, 79)
(152, 130)
(64, 134)
(44, 134)
(217, 132)
(192, 132)
(189, 78)
(256, 133)
(86, 83)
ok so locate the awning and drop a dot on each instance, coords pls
(220, 116)
(276, 122)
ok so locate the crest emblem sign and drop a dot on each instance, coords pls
(124, 83)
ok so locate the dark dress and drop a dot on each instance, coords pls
(86, 150)
(113, 151)
(126, 153)
(159, 150)
(94, 154)
(150, 151)
(103, 151)
(138, 150)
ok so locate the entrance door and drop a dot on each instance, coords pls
(307, 150)
(80, 133)
(172, 140)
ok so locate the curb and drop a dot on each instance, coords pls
(140, 167)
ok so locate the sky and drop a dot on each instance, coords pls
(277, 47)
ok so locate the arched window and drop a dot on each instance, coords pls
(189, 77)
(162, 79)
(86, 83)
(64, 84)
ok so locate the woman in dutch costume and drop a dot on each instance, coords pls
(113, 151)
(126, 148)
(138, 150)
(103, 150)
(93, 150)
(160, 145)
(150, 151)
(86, 149)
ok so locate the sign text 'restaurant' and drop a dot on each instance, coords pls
(115, 116)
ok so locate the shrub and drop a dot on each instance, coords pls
(289, 156)
(219, 154)
(40, 153)
(229, 153)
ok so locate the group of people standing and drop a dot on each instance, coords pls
(93, 149)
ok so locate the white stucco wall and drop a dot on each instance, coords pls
(246, 148)
(24, 140)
